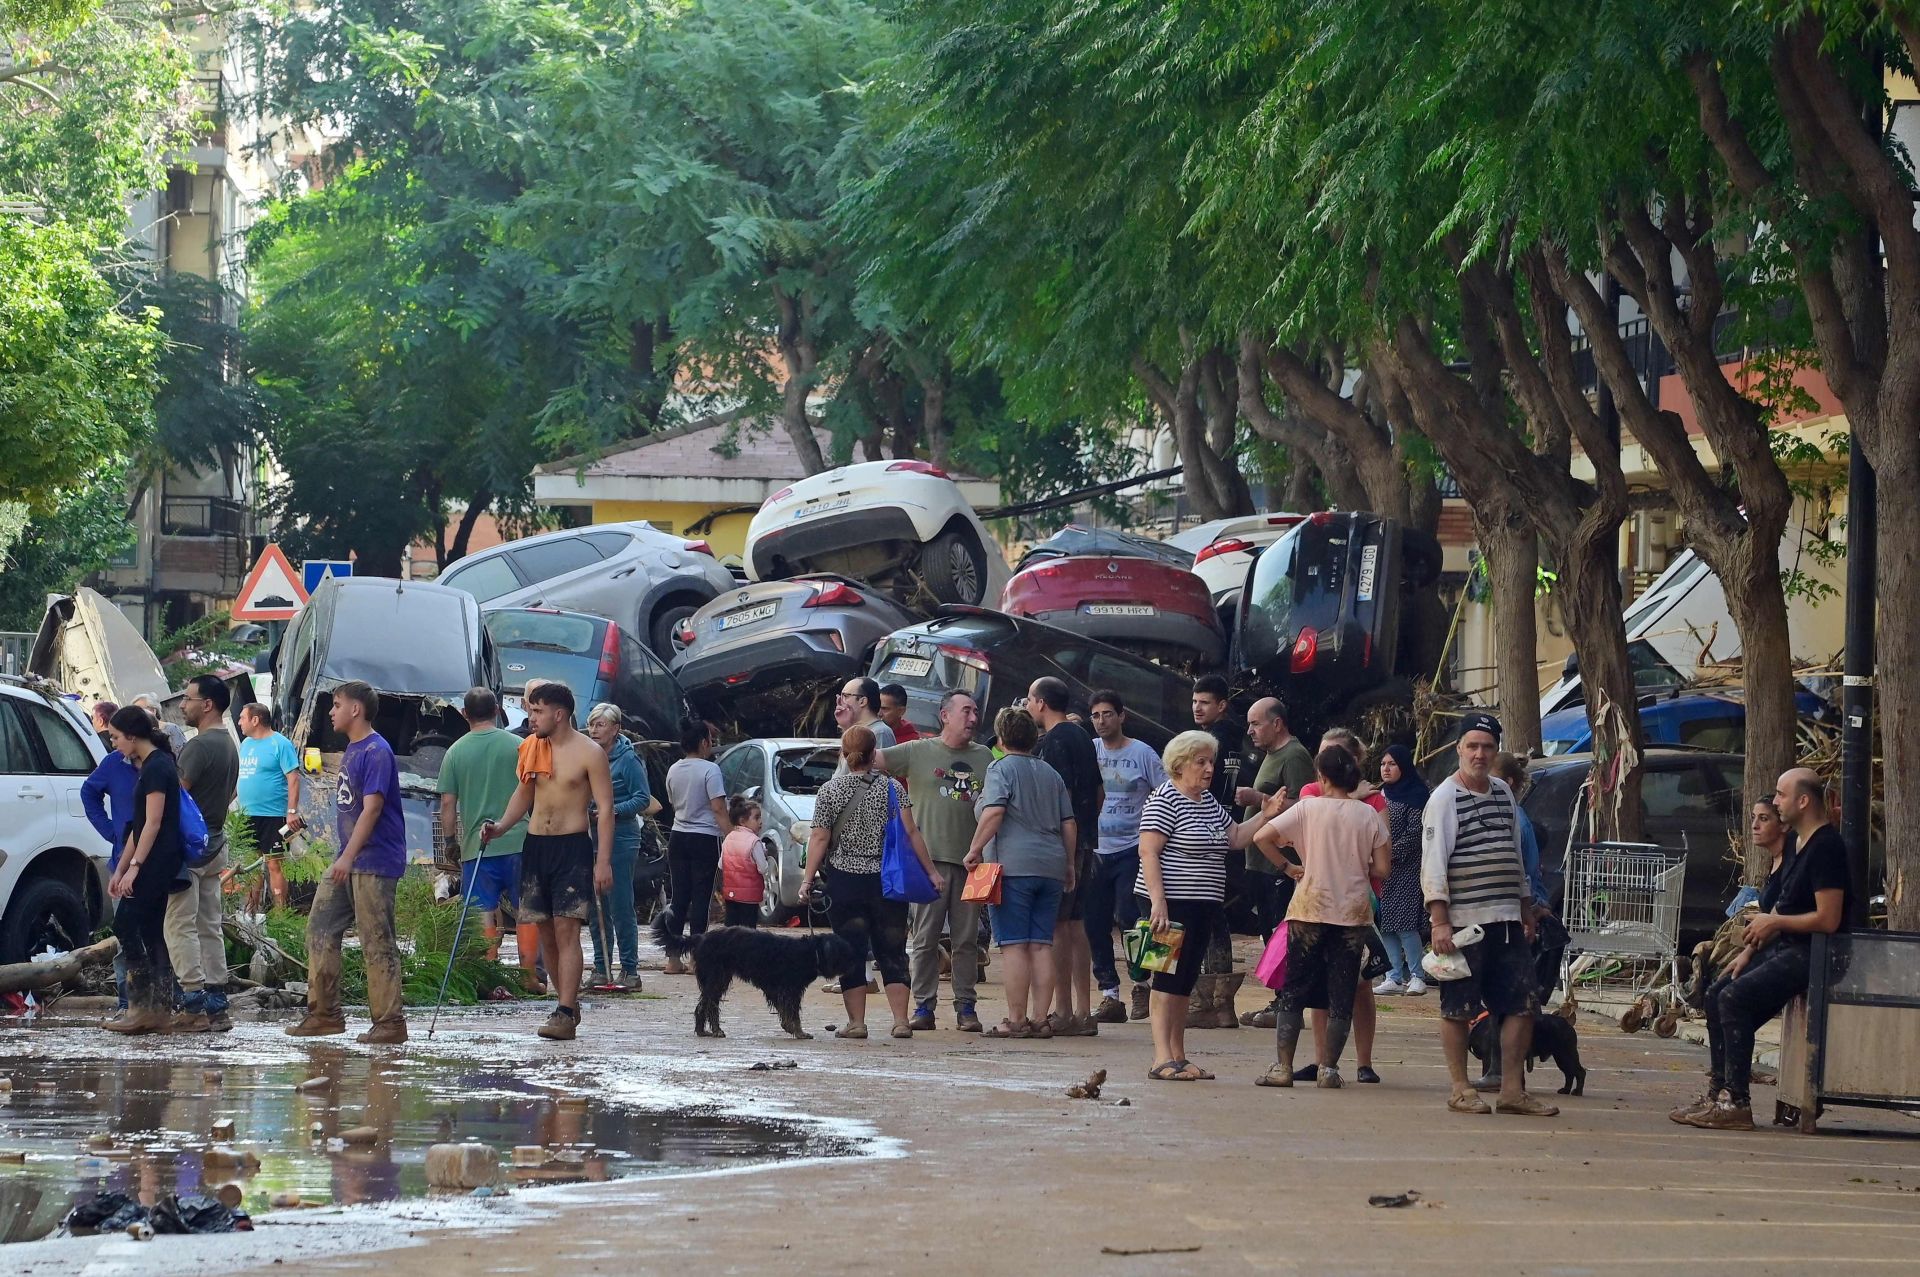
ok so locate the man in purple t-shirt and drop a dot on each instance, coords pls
(358, 890)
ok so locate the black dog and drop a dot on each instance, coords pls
(1553, 1039)
(779, 967)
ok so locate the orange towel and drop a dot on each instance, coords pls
(536, 758)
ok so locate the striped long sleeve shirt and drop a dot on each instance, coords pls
(1470, 853)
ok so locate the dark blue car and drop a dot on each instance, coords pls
(1700, 720)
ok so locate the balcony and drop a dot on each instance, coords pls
(206, 546)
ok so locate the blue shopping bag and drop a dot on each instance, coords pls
(902, 876)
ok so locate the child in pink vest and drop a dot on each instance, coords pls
(743, 864)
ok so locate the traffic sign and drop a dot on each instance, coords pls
(272, 592)
(314, 571)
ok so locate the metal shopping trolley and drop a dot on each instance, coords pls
(1622, 913)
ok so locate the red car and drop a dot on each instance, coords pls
(1145, 606)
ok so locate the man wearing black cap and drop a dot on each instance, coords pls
(1471, 874)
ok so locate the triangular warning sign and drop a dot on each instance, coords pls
(272, 592)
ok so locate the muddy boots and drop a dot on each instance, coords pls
(1211, 1005)
(324, 1017)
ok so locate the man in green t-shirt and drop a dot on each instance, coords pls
(478, 778)
(944, 774)
(1284, 762)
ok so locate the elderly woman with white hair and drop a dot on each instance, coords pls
(1185, 838)
(632, 799)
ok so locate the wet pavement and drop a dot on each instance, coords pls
(87, 1113)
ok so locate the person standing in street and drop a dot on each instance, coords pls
(107, 798)
(744, 868)
(176, 735)
(269, 795)
(697, 792)
(1212, 714)
(632, 800)
(563, 866)
(477, 780)
(1284, 764)
(1401, 908)
(1471, 875)
(145, 872)
(944, 773)
(358, 888)
(893, 712)
(1066, 747)
(1129, 771)
(196, 941)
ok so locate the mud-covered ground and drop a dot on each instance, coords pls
(949, 1153)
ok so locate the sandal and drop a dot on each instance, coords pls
(855, 1031)
(1008, 1029)
(903, 1030)
(1169, 1072)
(1276, 1075)
(1039, 1029)
(1198, 1072)
(1466, 1102)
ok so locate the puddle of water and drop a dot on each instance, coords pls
(160, 1114)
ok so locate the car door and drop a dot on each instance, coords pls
(1685, 802)
(29, 808)
(744, 771)
(565, 571)
(66, 762)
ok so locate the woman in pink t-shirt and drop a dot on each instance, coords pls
(1341, 844)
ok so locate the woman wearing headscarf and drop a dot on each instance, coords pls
(1401, 905)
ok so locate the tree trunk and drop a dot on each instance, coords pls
(1757, 602)
(23, 977)
(1897, 662)
(934, 426)
(477, 505)
(1179, 405)
(1512, 551)
(1589, 597)
(1300, 494)
(802, 366)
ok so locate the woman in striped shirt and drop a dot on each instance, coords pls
(1185, 837)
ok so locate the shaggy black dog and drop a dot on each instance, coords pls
(1553, 1039)
(779, 966)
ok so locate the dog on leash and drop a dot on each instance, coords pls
(1553, 1039)
(781, 967)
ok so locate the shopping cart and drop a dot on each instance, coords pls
(1622, 913)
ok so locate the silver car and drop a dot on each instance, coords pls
(646, 580)
(782, 775)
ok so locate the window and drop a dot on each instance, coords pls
(550, 559)
(609, 543)
(1724, 733)
(486, 580)
(741, 771)
(16, 751)
(646, 692)
(1669, 795)
(59, 736)
(1144, 690)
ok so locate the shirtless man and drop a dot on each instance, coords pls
(560, 873)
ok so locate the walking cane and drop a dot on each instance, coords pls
(459, 929)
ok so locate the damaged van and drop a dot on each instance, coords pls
(421, 647)
(89, 649)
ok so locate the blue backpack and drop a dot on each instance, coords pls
(194, 841)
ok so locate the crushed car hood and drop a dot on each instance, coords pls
(89, 648)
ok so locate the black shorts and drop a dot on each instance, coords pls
(1199, 917)
(1073, 904)
(266, 834)
(556, 877)
(1502, 980)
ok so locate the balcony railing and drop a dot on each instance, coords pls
(205, 517)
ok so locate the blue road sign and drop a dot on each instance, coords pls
(314, 571)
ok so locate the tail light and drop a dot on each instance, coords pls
(1283, 520)
(1306, 650)
(700, 547)
(918, 467)
(834, 594)
(1321, 518)
(777, 498)
(610, 654)
(965, 655)
(1366, 649)
(1232, 545)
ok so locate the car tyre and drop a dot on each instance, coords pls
(955, 566)
(43, 912)
(664, 627)
(774, 910)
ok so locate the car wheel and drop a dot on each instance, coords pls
(774, 910)
(667, 641)
(956, 567)
(45, 913)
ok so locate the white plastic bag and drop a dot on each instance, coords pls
(1452, 966)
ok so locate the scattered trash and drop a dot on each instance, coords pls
(1089, 1089)
(529, 1155)
(13, 1156)
(222, 1129)
(140, 1230)
(762, 1066)
(230, 1195)
(470, 1165)
(315, 1084)
(109, 1212)
(1407, 1198)
(1149, 1250)
(211, 1077)
(6, 1084)
(190, 1214)
(1123, 1103)
(488, 1190)
(316, 1129)
(285, 1201)
(99, 1143)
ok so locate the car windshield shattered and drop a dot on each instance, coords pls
(803, 771)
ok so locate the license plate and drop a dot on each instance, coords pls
(748, 615)
(510, 702)
(1369, 559)
(1120, 609)
(825, 507)
(911, 666)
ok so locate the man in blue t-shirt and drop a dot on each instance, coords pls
(268, 793)
(1129, 771)
(358, 889)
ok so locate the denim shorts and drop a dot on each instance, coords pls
(1028, 909)
(489, 879)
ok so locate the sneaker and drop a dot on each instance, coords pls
(965, 1019)
(631, 979)
(831, 986)
(1329, 1079)
(1389, 988)
(135, 1023)
(317, 1026)
(1417, 988)
(1085, 1026)
(560, 1026)
(1366, 1074)
(1138, 1011)
(220, 1021)
(185, 1021)
(1692, 1108)
(1724, 1115)
(1528, 1106)
(922, 1017)
(1111, 1010)
(384, 1035)
(851, 1031)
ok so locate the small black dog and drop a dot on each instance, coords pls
(1553, 1039)
(779, 967)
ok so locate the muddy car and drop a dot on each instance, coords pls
(1076, 540)
(88, 648)
(1147, 606)
(421, 647)
(1340, 614)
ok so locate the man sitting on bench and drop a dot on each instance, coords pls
(1772, 969)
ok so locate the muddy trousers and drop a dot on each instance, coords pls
(959, 917)
(140, 923)
(1110, 905)
(366, 905)
(1737, 1007)
(614, 911)
(195, 941)
(1323, 968)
